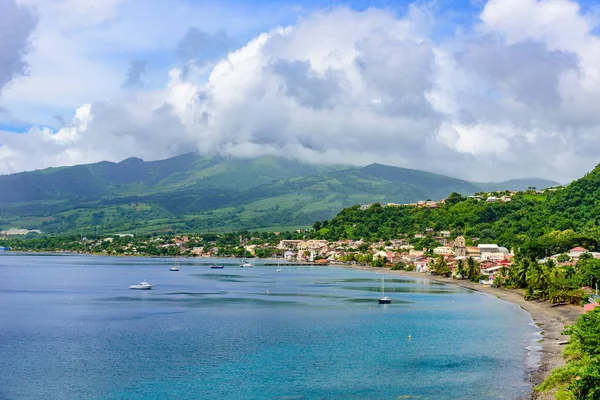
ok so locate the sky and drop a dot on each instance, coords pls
(481, 90)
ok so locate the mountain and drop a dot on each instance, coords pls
(199, 193)
(517, 184)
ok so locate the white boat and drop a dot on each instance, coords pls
(175, 266)
(142, 286)
(278, 269)
(384, 299)
(245, 264)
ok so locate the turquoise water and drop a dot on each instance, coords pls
(71, 329)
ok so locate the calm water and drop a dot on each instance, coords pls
(71, 329)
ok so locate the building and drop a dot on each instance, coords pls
(13, 231)
(461, 247)
(288, 244)
(443, 250)
(488, 248)
(574, 253)
(473, 251)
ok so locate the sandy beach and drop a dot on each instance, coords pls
(551, 319)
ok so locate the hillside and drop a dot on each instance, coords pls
(540, 224)
(196, 193)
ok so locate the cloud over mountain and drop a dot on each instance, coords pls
(512, 94)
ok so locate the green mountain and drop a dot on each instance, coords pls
(196, 193)
(540, 224)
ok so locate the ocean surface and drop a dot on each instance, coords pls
(70, 328)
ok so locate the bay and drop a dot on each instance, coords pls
(71, 329)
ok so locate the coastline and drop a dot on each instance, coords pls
(550, 319)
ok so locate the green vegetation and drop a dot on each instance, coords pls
(190, 193)
(539, 224)
(224, 245)
(580, 377)
(551, 282)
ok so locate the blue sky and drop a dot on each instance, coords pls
(479, 89)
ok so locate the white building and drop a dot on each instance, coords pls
(443, 250)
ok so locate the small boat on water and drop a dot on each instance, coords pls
(245, 264)
(142, 286)
(175, 266)
(384, 299)
(278, 269)
(216, 266)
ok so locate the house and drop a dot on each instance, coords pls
(445, 234)
(472, 251)
(422, 264)
(575, 252)
(416, 253)
(491, 199)
(380, 254)
(491, 269)
(443, 250)
(288, 244)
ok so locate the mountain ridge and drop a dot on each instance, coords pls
(207, 192)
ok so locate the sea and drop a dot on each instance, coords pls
(70, 328)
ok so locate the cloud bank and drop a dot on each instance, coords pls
(511, 95)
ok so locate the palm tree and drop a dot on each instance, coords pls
(460, 269)
(518, 272)
(472, 268)
(538, 278)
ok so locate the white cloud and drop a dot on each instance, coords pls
(512, 96)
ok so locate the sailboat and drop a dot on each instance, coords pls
(278, 267)
(384, 299)
(175, 266)
(245, 264)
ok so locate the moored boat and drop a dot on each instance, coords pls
(141, 286)
(175, 266)
(384, 299)
(216, 266)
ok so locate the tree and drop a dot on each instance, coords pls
(441, 267)
(472, 269)
(460, 269)
(398, 265)
(580, 377)
(379, 262)
(454, 198)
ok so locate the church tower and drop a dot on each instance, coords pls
(461, 247)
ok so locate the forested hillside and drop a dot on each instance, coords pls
(539, 223)
(195, 193)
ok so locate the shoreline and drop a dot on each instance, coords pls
(551, 320)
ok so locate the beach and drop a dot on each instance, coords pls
(551, 319)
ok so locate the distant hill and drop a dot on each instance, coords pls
(199, 193)
(517, 184)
